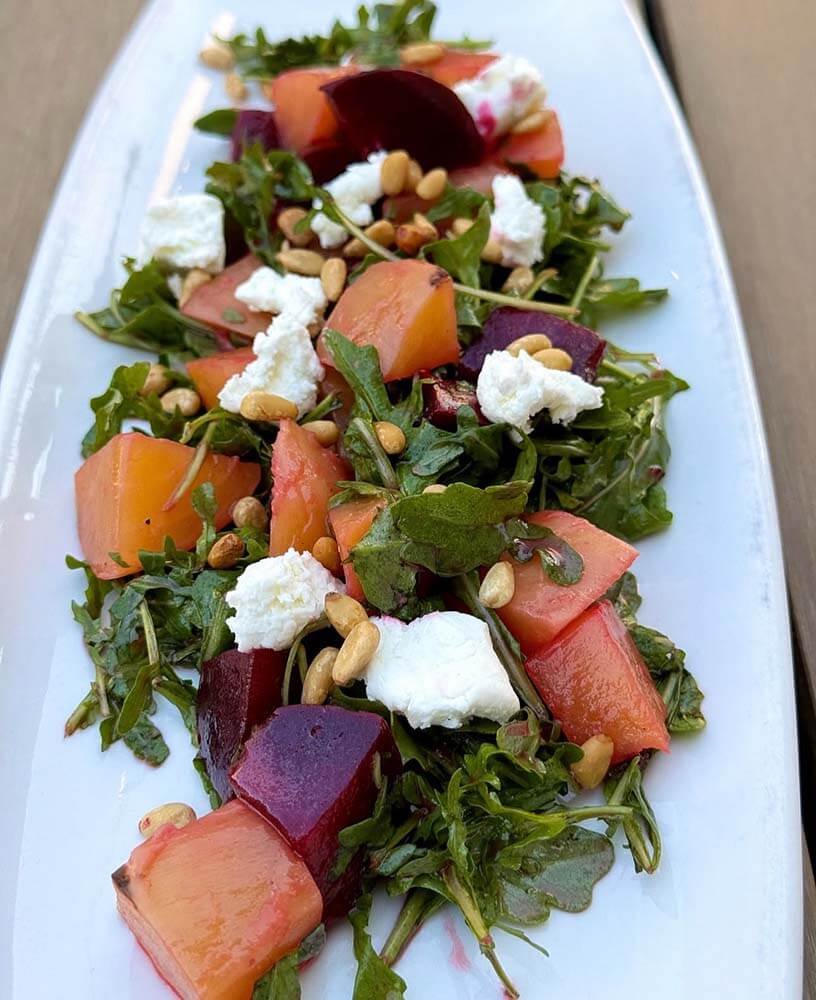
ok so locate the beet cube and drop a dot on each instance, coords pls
(254, 125)
(506, 324)
(442, 397)
(310, 770)
(237, 692)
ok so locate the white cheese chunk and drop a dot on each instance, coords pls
(267, 291)
(354, 191)
(183, 232)
(505, 91)
(439, 670)
(274, 598)
(514, 389)
(285, 364)
(517, 223)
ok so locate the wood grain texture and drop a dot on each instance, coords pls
(53, 54)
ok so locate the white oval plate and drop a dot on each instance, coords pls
(723, 915)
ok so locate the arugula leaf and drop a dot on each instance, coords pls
(219, 122)
(461, 255)
(559, 560)
(374, 979)
(458, 203)
(282, 982)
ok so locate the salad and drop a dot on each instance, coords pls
(366, 519)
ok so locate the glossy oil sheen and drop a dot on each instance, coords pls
(722, 917)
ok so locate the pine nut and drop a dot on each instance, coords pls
(235, 87)
(317, 683)
(226, 552)
(554, 357)
(519, 280)
(492, 252)
(288, 220)
(381, 231)
(176, 813)
(215, 55)
(355, 654)
(531, 343)
(194, 279)
(390, 437)
(460, 226)
(343, 613)
(535, 120)
(498, 586)
(307, 262)
(267, 408)
(157, 381)
(327, 554)
(413, 177)
(333, 278)
(394, 172)
(432, 184)
(421, 53)
(426, 227)
(435, 488)
(249, 512)
(591, 770)
(355, 248)
(326, 431)
(187, 401)
(409, 239)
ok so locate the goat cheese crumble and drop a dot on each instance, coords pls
(513, 390)
(517, 223)
(184, 232)
(267, 291)
(274, 598)
(503, 93)
(354, 191)
(439, 670)
(285, 364)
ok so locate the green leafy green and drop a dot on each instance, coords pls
(219, 122)
(461, 255)
(282, 982)
(374, 979)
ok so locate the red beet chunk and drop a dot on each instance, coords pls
(443, 397)
(254, 125)
(506, 324)
(327, 159)
(310, 771)
(401, 109)
(237, 692)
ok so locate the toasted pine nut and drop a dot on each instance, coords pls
(308, 262)
(317, 683)
(394, 172)
(461, 226)
(333, 278)
(355, 248)
(287, 220)
(409, 238)
(249, 512)
(435, 488)
(327, 554)
(187, 401)
(176, 813)
(194, 279)
(343, 612)
(326, 431)
(530, 343)
(381, 231)
(266, 407)
(492, 252)
(554, 357)
(413, 176)
(421, 53)
(356, 652)
(535, 120)
(235, 87)
(426, 227)
(591, 770)
(498, 586)
(216, 55)
(432, 184)
(390, 437)
(157, 381)
(226, 552)
(519, 280)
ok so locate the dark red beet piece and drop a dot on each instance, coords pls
(442, 397)
(401, 109)
(506, 324)
(254, 125)
(327, 159)
(310, 771)
(237, 692)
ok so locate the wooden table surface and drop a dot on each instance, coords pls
(745, 72)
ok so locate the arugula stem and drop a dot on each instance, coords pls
(354, 229)
(90, 324)
(384, 467)
(541, 278)
(615, 369)
(512, 300)
(193, 469)
(292, 658)
(76, 719)
(418, 905)
(153, 657)
(583, 284)
(101, 686)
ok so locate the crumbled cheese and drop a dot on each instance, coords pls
(514, 389)
(517, 223)
(267, 291)
(502, 94)
(285, 364)
(274, 598)
(183, 232)
(354, 191)
(440, 670)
